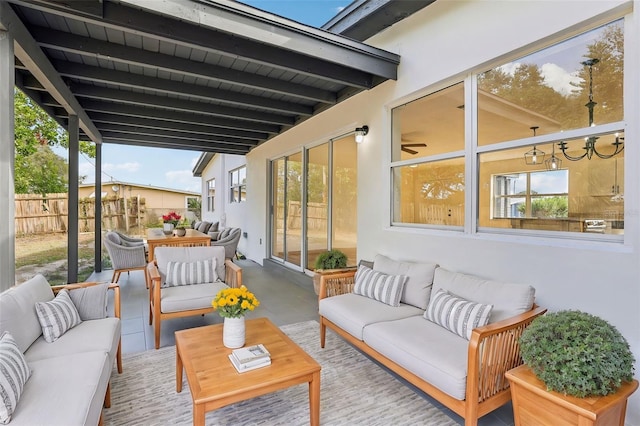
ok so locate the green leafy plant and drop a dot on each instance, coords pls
(332, 259)
(577, 354)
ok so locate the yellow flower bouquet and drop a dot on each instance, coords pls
(234, 302)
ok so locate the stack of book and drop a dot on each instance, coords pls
(250, 358)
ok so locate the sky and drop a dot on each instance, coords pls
(168, 168)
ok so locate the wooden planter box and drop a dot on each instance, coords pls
(533, 404)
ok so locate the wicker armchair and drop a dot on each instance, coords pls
(229, 240)
(124, 257)
(129, 241)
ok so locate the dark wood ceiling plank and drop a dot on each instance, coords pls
(175, 134)
(198, 129)
(160, 142)
(143, 111)
(127, 79)
(59, 40)
(88, 91)
(235, 45)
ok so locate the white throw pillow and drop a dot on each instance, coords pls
(91, 302)
(378, 286)
(14, 373)
(57, 316)
(187, 273)
(456, 314)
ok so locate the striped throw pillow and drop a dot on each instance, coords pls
(14, 373)
(457, 315)
(57, 316)
(378, 286)
(187, 273)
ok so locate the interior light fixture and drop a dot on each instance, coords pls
(534, 156)
(554, 162)
(361, 132)
(590, 142)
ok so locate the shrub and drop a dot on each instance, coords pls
(577, 354)
(332, 259)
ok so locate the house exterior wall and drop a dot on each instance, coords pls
(451, 39)
(227, 213)
(156, 198)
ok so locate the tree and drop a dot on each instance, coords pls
(41, 172)
(37, 168)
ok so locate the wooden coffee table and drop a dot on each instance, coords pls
(214, 382)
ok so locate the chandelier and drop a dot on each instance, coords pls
(590, 142)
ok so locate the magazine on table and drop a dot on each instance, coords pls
(251, 354)
(242, 368)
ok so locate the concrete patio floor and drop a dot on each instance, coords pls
(286, 297)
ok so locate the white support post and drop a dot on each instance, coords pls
(7, 162)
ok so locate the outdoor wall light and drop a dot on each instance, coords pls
(361, 132)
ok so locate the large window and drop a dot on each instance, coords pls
(428, 163)
(238, 188)
(545, 180)
(544, 135)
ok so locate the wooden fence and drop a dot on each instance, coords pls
(40, 214)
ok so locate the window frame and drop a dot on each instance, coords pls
(473, 150)
(237, 185)
(211, 197)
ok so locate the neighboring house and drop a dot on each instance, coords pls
(483, 97)
(158, 201)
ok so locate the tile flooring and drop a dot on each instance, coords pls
(285, 297)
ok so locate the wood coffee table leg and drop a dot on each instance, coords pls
(178, 372)
(198, 414)
(314, 399)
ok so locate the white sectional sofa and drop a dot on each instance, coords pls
(69, 377)
(430, 337)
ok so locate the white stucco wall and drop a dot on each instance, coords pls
(453, 38)
(230, 215)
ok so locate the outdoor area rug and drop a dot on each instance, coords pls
(354, 391)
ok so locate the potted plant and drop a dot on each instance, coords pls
(180, 231)
(329, 262)
(578, 369)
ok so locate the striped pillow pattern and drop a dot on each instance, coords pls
(378, 286)
(14, 373)
(57, 316)
(457, 315)
(187, 273)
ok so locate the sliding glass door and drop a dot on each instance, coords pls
(286, 234)
(314, 201)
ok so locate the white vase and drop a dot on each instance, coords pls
(168, 227)
(233, 332)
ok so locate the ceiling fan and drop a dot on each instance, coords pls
(406, 147)
(409, 141)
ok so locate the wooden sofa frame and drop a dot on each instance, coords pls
(233, 278)
(116, 312)
(493, 350)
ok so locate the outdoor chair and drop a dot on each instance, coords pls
(125, 257)
(129, 241)
(183, 281)
(227, 238)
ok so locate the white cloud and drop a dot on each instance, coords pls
(88, 170)
(559, 79)
(127, 167)
(183, 179)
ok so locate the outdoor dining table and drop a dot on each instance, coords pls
(157, 238)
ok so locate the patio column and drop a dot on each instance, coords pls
(7, 161)
(72, 222)
(98, 211)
